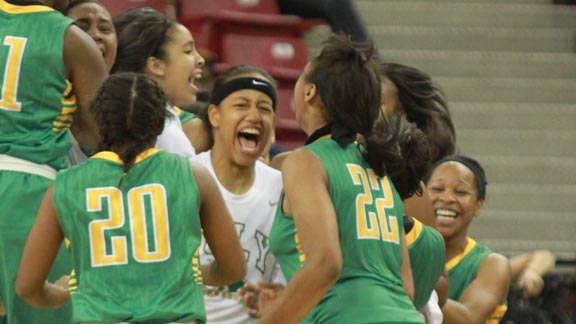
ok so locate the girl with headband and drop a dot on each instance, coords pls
(479, 278)
(241, 114)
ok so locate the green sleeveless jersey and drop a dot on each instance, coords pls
(462, 270)
(134, 248)
(427, 258)
(369, 213)
(36, 101)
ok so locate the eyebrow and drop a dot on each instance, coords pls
(100, 20)
(258, 101)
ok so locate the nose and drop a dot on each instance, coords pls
(254, 114)
(199, 59)
(446, 196)
(95, 33)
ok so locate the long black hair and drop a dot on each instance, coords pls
(347, 77)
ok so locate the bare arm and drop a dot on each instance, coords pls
(483, 295)
(278, 159)
(198, 134)
(39, 253)
(308, 199)
(229, 265)
(529, 268)
(442, 287)
(86, 69)
(407, 278)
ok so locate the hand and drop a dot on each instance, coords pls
(63, 282)
(531, 283)
(266, 298)
(431, 312)
(251, 294)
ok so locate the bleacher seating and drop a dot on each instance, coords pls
(209, 20)
(283, 57)
(116, 7)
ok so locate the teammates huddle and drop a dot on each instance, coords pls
(157, 226)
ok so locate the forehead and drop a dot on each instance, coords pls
(180, 35)
(89, 9)
(248, 94)
(453, 170)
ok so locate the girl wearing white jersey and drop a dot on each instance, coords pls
(241, 114)
(148, 42)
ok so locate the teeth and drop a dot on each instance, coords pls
(445, 213)
(252, 131)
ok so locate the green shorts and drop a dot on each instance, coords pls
(21, 196)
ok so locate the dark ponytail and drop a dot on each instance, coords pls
(347, 77)
(398, 149)
(130, 110)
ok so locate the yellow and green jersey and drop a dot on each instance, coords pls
(37, 104)
(462, 270)
(134, 247)
(427, 257)
(369, 213)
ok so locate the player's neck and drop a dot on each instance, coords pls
(237, 179)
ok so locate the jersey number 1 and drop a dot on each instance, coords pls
(141, 250)
(9, 84)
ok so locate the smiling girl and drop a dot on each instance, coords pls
(479, 278)
(242, 117)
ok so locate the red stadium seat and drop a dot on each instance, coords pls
(116, 7)
(283, 57)
(209, 20)
(191, 8)
(288, 132)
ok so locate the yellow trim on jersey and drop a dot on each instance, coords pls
(14, 9)
(196, 267)
(177, 110)
(112, 156)
(414, 233)
(470, 244)
(63, 121)
(498, 314)
(2, 308)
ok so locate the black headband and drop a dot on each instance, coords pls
(218, 94)
(470, 163)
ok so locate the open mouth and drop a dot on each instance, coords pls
(445, 214)
(248, 139)
(193, 78)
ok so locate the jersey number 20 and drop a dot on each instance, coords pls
(117, 253)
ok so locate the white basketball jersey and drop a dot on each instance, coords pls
(173, 139)
(253, 214)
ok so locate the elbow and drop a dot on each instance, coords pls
(235, 273)
(330, 266)
(239, 273)
(25, 292)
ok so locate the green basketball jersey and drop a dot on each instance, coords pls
(36, 101)
(427, 259)
(462, 270)
(184, 115)
(369, 213)
(134, 249)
